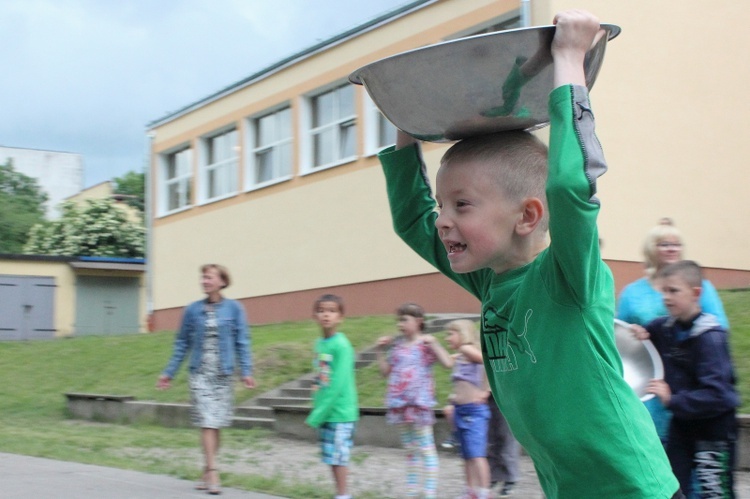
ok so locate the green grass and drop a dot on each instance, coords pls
(36, 375)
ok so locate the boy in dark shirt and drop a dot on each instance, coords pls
(698, 385)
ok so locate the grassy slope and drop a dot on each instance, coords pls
(36, 374)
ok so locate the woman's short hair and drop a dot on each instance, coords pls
(413, 310)
(221, 270)
(665, 229)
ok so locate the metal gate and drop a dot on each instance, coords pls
(26, 307)
(107, 305)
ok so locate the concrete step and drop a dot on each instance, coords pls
(283, 401)
(245, 423)
(370, 356)
(362, 363)
(254, 411)
(297, 392)
(305, 382)
(438, 324)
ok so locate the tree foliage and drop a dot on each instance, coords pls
(21, 207)
(133, 185)
(95, 227)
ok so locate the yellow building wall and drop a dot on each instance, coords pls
(65, 294)
(668, 102)
(671, 102)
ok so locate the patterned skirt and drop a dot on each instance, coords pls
(212, 398)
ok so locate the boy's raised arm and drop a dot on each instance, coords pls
(577, 31)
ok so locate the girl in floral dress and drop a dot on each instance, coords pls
(406, 360)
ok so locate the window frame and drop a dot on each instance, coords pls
(308, 132)
(253, 149)
(373, 118)
(205, 168)
(186, 178)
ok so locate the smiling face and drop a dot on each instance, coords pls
(477, 220)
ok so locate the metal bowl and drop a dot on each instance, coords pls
(640, 361)
(471, 86)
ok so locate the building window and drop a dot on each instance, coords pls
(219, 166)
(333, 127)
(270, 140)
(379, 132)
(177, 175)
(508, 21)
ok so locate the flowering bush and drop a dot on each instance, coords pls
(96, 227)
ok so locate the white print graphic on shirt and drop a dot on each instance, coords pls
(501, 343)
(323, 367)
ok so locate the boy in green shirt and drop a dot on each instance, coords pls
(516, 227)
(335, 407)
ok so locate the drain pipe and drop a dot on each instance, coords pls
(148, 167)
(525, 13)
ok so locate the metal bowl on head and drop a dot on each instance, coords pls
(640, 361)
(472, 86)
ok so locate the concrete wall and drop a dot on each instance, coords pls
(290, 421)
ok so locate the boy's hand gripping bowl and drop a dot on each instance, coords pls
(640, 360)
(471, 86)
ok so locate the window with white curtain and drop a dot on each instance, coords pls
(270, 140)
(219, 166)
(177, 181)
(332, 127)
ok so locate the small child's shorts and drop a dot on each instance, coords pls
(471, 421)
(336, 443)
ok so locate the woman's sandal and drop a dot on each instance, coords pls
(203, 484)
(214, 488)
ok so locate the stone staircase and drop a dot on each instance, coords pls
(258, 412)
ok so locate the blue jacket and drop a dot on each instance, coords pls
(234, 338)
(697, 366)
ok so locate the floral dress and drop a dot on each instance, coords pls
(410, 395)
(211, 392)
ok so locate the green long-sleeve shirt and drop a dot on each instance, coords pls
(335, 397)
(548, 326)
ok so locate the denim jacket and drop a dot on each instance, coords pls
(234, 338)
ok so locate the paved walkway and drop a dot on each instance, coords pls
(40, 478)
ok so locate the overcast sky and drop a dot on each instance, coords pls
(87, 76)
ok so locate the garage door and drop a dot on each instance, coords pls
(26, 307)
(107, 305)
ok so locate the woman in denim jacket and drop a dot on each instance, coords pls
(215, 332)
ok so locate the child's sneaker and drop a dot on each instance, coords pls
(507, 490)
(449, 443)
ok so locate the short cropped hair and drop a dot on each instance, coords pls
(413, 310)
(466, 330)
(688, 270)
(329, 297)
(221, 270)
(665, 229)
(518, 158)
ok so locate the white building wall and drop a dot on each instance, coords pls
(59, 174)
